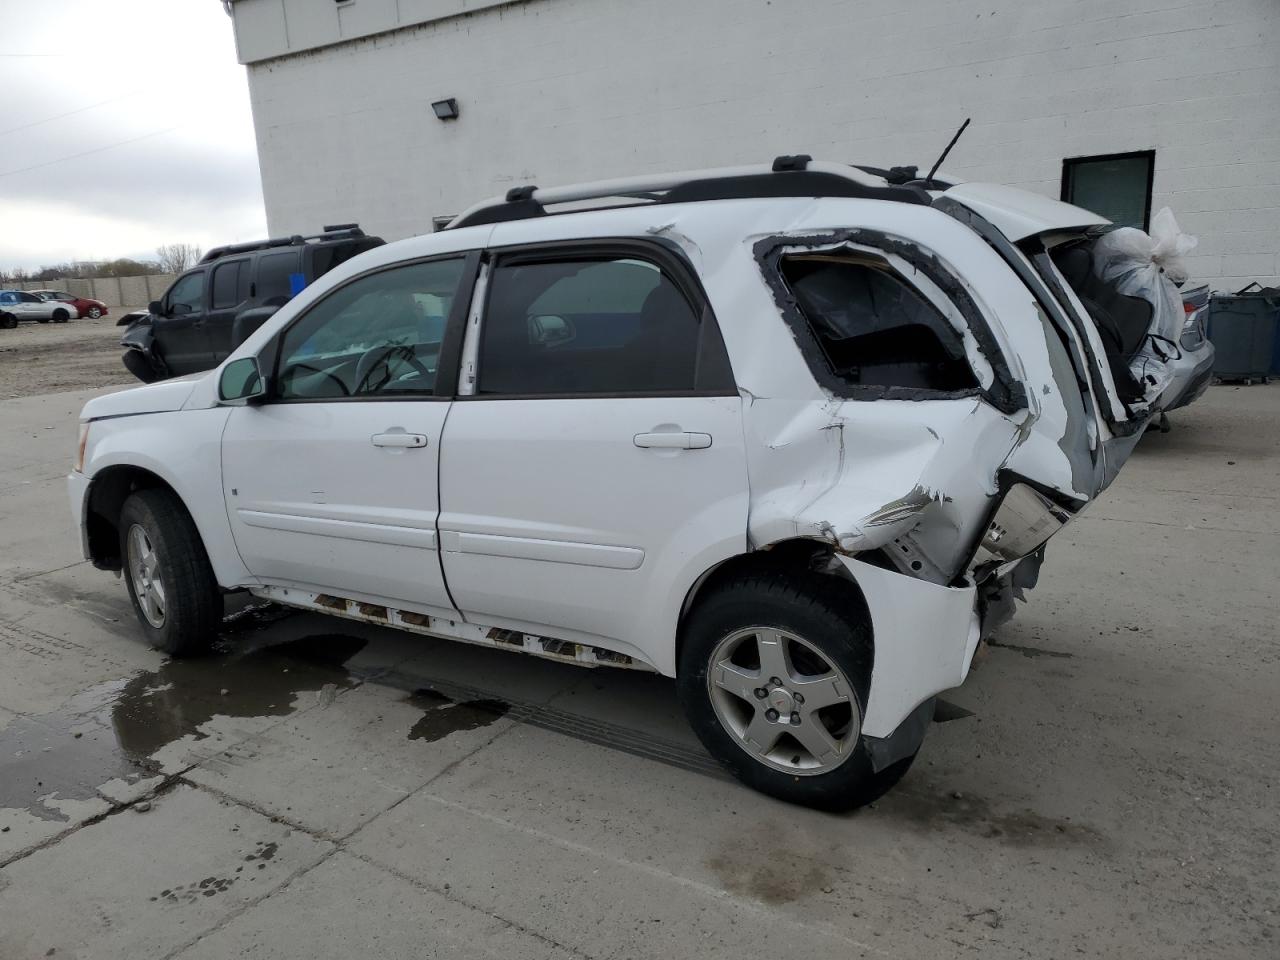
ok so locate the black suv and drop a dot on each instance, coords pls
(209, 310)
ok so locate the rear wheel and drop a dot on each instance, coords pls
(61, 316)
(772, 675)
(8, 321)
(171, 583)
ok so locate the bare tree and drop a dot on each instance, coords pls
(176, 257)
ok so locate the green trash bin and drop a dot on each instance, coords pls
(1243, 330)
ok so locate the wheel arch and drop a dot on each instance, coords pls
(108, 490)
(800, 556)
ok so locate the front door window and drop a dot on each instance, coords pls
(187, 294)
(378, 336)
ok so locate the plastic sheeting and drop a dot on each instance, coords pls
(1144, 265)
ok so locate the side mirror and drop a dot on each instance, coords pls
(155, 308)
(550, 330)
(241, 380)
(179, 309)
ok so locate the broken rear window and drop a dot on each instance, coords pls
(872, 328)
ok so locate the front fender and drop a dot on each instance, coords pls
(186, 455)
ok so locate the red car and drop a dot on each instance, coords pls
(93, 309)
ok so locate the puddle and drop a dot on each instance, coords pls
(443, 715)
(113, 729)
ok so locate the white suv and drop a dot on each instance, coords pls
(793, 435)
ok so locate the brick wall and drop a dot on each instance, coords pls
(555, 91)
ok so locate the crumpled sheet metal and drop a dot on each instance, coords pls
(854, 472)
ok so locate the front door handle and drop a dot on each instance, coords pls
(398, 439)
(673, 441)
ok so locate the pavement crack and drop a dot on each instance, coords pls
(452, 897)
(45, 573)
(167, 784)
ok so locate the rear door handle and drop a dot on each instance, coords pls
(398, 439)
(673, 441)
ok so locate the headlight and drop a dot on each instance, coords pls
(84, 442)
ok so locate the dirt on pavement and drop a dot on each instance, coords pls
(38, 358)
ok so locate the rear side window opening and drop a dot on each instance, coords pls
(873, 328)
(901, 326)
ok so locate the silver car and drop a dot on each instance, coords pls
(18, 305)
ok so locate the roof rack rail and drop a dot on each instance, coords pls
(343, 231)
(787, 176)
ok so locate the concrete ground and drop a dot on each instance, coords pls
(1104, 784)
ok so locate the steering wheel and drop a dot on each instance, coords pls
(371, 359)
(324, 373)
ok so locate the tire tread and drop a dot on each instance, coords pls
(193, 611)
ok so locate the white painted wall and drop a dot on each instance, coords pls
(555, 91)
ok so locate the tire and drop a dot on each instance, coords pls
(183, 620)
(61, 316)
(95, 313)
(8, 321)
(139, 366)
(817, 617)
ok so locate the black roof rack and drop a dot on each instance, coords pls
(345, 231)
(787, 176)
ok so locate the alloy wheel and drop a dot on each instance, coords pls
(783, 700)
(144, 571)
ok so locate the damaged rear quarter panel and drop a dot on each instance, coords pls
(860, 473)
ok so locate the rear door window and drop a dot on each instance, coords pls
(607, 325)
(273, 275)
(230, 283)
(874, 329)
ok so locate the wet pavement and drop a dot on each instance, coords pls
(114, 729)
(1102, 784)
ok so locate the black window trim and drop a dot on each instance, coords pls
(1150, 155)
(1006, 393)
(447, 362)
(664, 255)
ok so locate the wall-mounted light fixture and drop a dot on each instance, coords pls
(446, 109)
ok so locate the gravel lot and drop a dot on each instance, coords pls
(1103, 785)
(37, 358)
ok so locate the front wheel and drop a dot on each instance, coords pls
(95, 313)
(773, 672)
(61, 316)
(137, 364)
(170, 580)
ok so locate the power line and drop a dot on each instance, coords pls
(70, 113)
(76, 156)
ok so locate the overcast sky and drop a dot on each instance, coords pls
(124, 124)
